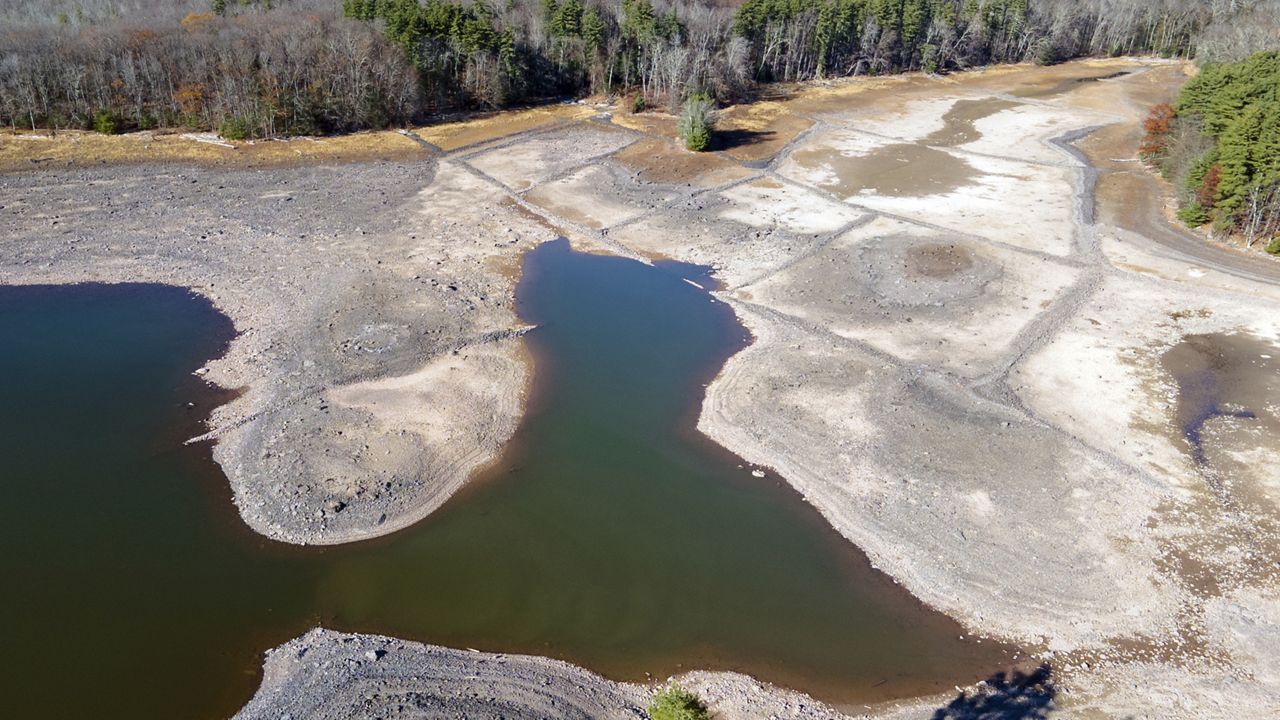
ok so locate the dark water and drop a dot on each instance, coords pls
(611, 533)
(1221, 375)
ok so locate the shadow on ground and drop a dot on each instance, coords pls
(730, 139)
(1012, 696)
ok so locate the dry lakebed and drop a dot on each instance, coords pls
(1035, 423)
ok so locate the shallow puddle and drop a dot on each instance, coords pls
(896, 170)
(959, 122)
(1222, 376)
(905, 169)
(1065, 85)
(611, 533)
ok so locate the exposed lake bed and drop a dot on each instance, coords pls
(911, 433)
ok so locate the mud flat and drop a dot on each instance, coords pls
(967, 372)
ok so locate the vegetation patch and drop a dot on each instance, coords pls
(1220, 144)
(675, 703)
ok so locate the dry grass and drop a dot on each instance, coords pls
(475, 130)
(650, 123)
(74, 148)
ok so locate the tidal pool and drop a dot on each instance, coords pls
(611, 533)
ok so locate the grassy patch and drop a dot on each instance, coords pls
(675, 703)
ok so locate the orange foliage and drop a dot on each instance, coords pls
(138, 38)
(1156, 130)
(1207, 194)
(190, 98)
(197, 21)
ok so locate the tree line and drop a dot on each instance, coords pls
(1220, 144)
(255, 70)
(279, 67)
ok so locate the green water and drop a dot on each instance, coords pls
(610, 534)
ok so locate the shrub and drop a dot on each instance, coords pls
(929, 59)
(697, 122)
(1156, 131)
(675, 703)
(1049, 53)
(638, 103)
(1193, 214)
(1207, 193)
(106, 123)
(1273, 247)
(235, 129)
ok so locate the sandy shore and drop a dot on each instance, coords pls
(959, 359)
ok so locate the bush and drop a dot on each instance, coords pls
(1193, 214)
(697, 122)
(1156, 129)
(675, 703)
(1273, 247)
(106, 123)
(639, 104)
(235, 129)
(1049, 52)
(929, 59)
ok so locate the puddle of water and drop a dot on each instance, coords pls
(960, 119)
(1221, 375)
(611, 533)
(896, 170)
(1066, 85)
(906, 169)
(1228, 392)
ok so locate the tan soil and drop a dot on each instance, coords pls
(656, 160)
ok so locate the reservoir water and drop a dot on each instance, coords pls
(610, 534)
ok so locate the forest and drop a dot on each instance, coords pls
(262, 68)
(1220, 145)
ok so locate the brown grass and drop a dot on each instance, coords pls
(479, 129)
(74, 148)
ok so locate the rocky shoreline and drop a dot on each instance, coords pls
(325, 674)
